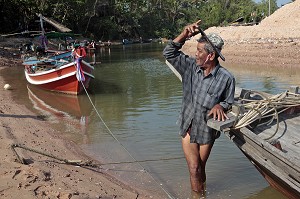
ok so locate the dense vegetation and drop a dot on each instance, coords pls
(118, 19)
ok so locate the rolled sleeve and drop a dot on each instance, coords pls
(176, 57)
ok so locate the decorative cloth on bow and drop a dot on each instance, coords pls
(79, 71)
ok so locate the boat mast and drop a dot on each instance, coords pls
(43, 37)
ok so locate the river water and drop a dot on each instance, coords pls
(132, 131)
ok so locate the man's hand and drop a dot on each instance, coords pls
(192, 29)
(188, 31)
(218, 113)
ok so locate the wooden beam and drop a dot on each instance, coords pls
(221, 125)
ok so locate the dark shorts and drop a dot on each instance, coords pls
(203, 137)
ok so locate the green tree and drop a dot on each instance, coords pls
(117, 19)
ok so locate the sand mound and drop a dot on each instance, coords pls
(282, 24)
(276, 40)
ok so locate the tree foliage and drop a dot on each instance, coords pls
(118, 19)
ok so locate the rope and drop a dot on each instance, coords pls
(13, 146)
(268, 107)
(80, 162)
(110, 132)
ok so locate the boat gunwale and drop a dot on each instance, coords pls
(59, 68)
(34, 82)
(283, 157)
(245, 142)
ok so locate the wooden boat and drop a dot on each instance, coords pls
(58, 75)
(51, 56)
(272, 141)
(58, 72)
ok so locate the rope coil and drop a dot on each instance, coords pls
(267, 108)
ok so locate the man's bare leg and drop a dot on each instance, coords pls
(196, 157)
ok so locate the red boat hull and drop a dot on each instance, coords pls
(62, 79)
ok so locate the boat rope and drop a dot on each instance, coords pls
(267, 108)
(80, 162)
(110, 132)
(21, 160)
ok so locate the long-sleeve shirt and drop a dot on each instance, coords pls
(200, 93)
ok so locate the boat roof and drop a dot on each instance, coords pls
(57, 25)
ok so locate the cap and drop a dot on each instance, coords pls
(215, 41)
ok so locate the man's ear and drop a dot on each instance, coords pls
(212, 56)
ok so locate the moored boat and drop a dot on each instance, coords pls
(269, 136)
(59, 75)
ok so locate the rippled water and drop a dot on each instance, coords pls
(138, 98)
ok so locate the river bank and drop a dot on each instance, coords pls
(44, 177)
(275, 42)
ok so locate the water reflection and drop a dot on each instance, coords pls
(265, 78)
(72, 111)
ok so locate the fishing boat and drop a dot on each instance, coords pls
(59, 75)
(64, 72)
(266, 129)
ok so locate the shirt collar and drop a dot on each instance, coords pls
(213, 73)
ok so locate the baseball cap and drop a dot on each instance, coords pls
(215, 41)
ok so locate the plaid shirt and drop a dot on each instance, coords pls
(200, 93)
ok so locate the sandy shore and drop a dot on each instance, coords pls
(269, 52)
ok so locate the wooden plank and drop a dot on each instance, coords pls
(285, 160)
(57, 25)
(221, 125)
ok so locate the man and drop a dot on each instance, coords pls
(208, 90)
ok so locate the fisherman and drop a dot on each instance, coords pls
(78, 51)
(208, 91)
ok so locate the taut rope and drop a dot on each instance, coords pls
(110, 132)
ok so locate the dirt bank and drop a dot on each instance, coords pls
(273, 42)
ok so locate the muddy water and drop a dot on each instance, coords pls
(137, 100)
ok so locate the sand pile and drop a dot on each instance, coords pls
(282, 24)
(273, 42)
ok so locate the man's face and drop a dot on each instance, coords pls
(201, 55)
